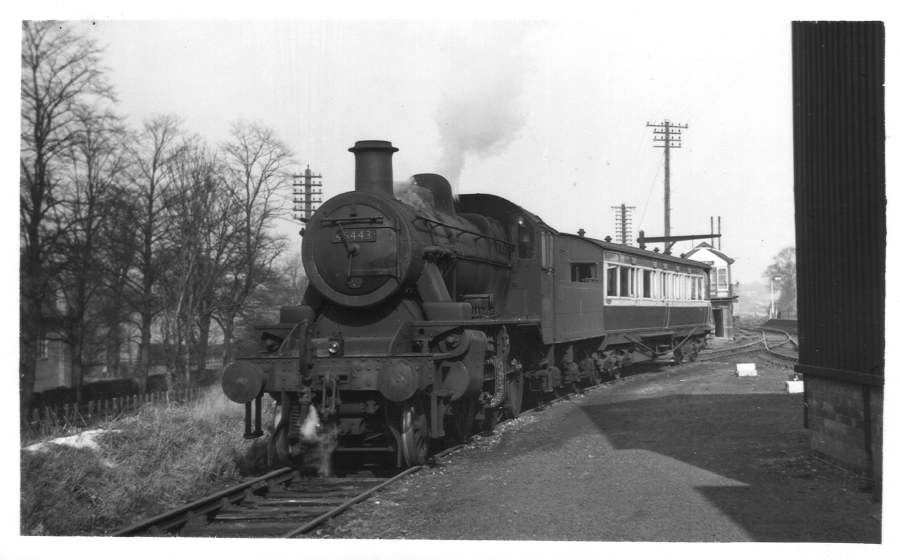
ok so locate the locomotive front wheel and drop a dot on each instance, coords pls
(413, 435)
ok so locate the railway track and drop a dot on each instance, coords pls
(281, 503)
(759, 342)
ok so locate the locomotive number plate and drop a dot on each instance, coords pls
(356, 236)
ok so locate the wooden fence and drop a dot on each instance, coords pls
(50, 418)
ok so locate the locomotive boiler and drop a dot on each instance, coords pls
(427, 316)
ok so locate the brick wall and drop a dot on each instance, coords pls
(837, 423)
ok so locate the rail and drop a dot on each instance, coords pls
(760, 343)
(309, 526)
(173, 519)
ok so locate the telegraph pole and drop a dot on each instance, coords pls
(307, 192)
(623, 222)
(667, 135)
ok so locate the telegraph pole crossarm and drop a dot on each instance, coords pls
(670, 240)
(307, 193)
(668, 136)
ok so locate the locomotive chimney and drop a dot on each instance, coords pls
(374, 171)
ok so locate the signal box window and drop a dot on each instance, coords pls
(584, 272)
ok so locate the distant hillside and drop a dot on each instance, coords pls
(753, 299)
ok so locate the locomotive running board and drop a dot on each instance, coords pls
(476, 323)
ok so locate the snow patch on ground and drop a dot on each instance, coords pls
(86, 439)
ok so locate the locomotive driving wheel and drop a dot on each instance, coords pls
(413, 437)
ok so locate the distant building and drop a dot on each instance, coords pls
(721, 290)
(53, 363)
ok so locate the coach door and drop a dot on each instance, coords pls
(548, 285)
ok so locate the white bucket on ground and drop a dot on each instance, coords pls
(793, 386)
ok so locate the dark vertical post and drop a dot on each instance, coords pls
(720, 233)
(670, 136)
(667, 228)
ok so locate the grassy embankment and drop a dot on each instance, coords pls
(158, 458)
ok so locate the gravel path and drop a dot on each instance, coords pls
(685, 453)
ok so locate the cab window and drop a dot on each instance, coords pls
(584, 272)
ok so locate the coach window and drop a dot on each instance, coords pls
(646, 274)
(624, 284)
(584, 272)
(612, 277)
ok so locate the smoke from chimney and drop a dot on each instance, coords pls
(480, 112)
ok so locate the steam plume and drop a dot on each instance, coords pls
(480, 112)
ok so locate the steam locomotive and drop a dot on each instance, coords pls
(428, 316)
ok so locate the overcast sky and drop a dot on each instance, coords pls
(551, 115)
(550, 112)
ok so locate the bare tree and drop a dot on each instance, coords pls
(257, 172)
(96, 161)
(202, 218)
(61, 74)
(118, 248)
(153, 154)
